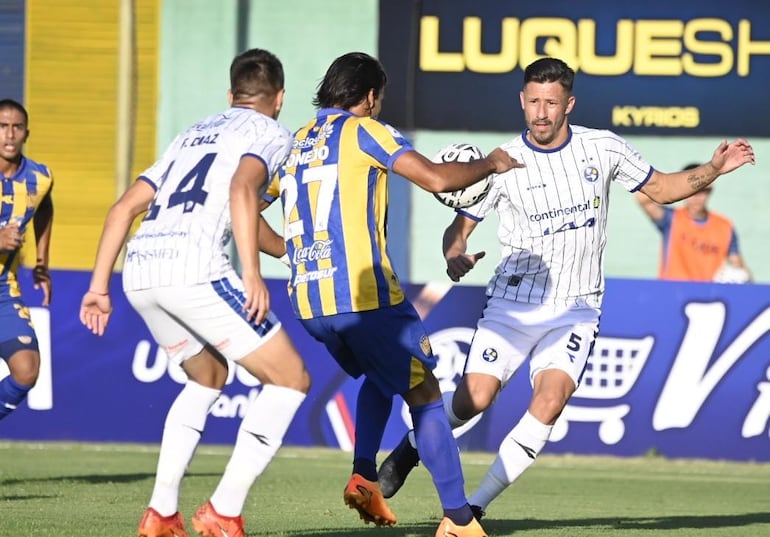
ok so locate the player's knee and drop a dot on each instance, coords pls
(294, 374)
(25, 367)
(299, 381)
(552, 390)
(26, 378)
(207, 368)
(424, 393)
(469, 408)
(474, 395)
(284, 369)
(279, 363)
(547, 406)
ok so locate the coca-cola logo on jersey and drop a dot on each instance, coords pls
(315, 252)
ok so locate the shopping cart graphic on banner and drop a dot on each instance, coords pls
(613, 367)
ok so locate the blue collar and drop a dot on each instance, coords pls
(543, 150)
(19, 175)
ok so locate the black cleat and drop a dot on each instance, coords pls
(478, 512)
(396, 466)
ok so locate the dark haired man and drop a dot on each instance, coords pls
(343, 287)
(26, 198)
(177, 275)
(545, 296)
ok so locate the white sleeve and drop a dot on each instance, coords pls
(481, 209)
(272, 146)
(632, 170)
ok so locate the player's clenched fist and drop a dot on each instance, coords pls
(10, 237)
(459, 265)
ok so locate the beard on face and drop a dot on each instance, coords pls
(540, 136)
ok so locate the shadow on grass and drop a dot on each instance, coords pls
(93, 479)
(632, 523)
(510, 527)
(22, 498)
(400, 530)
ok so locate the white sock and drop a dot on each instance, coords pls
(259, 437)
(454, 421)
(517, 453)
(185, 422)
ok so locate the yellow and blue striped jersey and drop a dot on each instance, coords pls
(334, 193)
(22, 194)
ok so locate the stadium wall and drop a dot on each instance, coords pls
(71, 93)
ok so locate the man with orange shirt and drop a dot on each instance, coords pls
(697, 242)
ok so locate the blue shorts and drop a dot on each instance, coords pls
(16, 330)
(388, 345)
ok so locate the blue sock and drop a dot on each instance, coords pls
(438, 452)
(372, 413)
(11, 394)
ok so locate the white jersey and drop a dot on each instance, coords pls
(553, 216)
(182, 239)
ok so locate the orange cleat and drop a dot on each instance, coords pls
(153, 524)
(366, 497)
(208, 523)
(447, 528)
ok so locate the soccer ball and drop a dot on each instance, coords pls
(465, 197)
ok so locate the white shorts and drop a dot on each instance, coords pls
(182, 319)
(552, 337)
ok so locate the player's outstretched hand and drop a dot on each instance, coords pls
(503, 161)
(728, 157)
(257, 299)
(459, 265)
(95, 311)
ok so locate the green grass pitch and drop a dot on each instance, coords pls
(82, 490)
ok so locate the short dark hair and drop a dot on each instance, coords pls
(349, 79)
(10, 103)
(691, 166)
(256, 72)
(550, 70)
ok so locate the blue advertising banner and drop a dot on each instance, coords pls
(681, 369)
(685, 68)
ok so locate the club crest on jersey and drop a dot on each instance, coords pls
(591, 174)
(327, 130)
(394, 132)
(489, 354)
(314, 137)
(425, 345)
